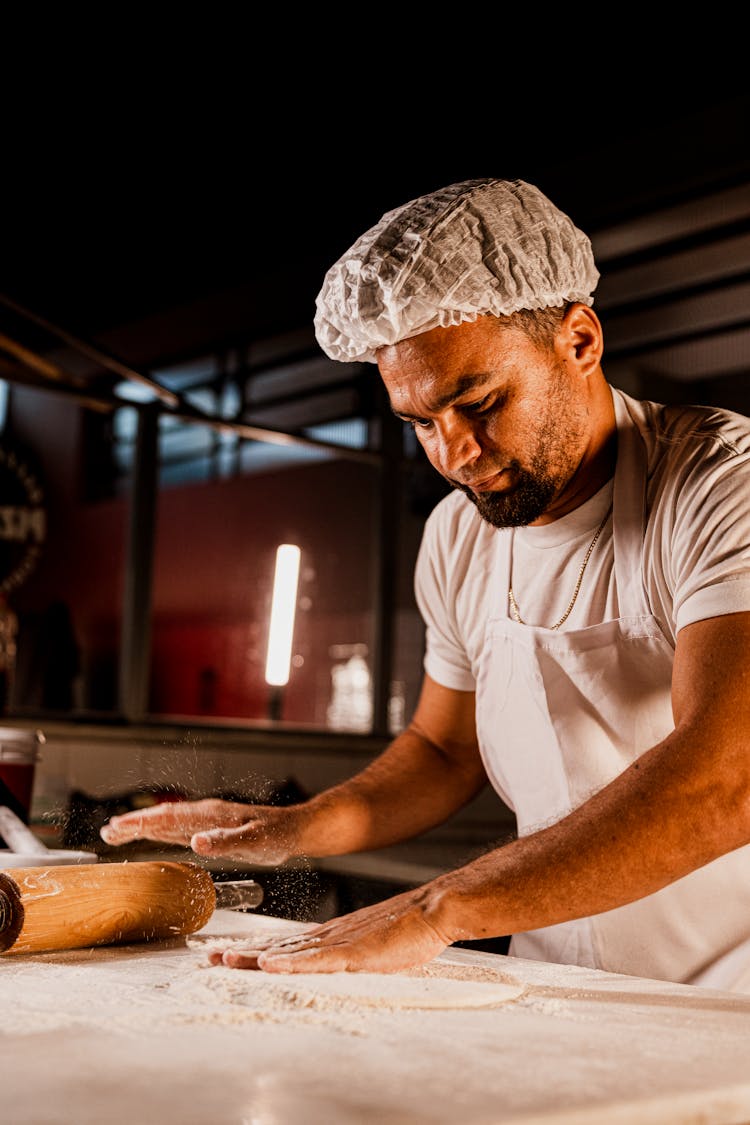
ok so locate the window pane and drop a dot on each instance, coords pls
(213, 576)
(225, 504)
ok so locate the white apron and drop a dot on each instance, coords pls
(562, 713)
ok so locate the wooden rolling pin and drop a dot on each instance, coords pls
(43, 909)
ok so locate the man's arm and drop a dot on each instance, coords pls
(426, 774)
(682, 804)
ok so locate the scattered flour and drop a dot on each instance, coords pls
(432, 986)
(191, 992)
(227, 1045)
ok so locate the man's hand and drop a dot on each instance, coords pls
(398, 933)
(427, 773)
(261, 834)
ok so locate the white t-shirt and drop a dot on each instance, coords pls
(696, 552)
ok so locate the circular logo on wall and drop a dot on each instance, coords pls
(23, 517)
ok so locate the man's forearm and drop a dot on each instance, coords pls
(411, 787)
(662, 818)
(680, 805)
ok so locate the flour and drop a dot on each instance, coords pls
(164, 994)
(193, 1042)
(432, 986)
(351, 991)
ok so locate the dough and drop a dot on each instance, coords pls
(387, 990)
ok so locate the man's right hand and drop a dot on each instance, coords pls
(262, 834)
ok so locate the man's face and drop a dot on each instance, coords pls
(499, 417)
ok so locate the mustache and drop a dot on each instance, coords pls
(484, 472)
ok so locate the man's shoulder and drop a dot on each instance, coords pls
(679, 431)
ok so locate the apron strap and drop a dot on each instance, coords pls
(629, 512)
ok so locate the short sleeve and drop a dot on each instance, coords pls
(446, 660)
(709, 540)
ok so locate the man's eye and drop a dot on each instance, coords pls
(419, 423)
(479, 407)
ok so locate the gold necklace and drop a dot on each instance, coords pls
(572, 602)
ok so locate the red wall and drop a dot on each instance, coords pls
(215, 550)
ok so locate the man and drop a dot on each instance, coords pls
(586, 593)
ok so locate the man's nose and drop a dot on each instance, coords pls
(458, 446)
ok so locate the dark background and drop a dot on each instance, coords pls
(178, 191)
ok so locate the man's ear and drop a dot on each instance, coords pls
(580, 339)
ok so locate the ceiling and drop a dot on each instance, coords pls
(172, 258)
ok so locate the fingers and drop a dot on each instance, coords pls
(173, 822)
(305, 959)
(212, 827)
(337, 946)
(239, 959)
(215, 956)
(234, 958)
(318, 949)
(120, 829)
(285, 957)
(161, 822)
(387, 937)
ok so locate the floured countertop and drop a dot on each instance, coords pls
(153, 1034)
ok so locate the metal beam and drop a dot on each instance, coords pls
(93, 352)
(135, 647)
(386, 549)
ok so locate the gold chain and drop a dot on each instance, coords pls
(572, 602)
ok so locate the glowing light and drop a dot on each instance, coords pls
(283, 609)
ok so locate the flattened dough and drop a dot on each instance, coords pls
(389, 990)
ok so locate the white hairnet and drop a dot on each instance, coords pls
(477, 248)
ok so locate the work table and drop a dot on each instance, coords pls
(151, 1033)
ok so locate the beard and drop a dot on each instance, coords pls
(524, 503)
(553, 460)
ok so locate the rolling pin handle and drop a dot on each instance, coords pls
(242, 894)
(11, 912)
(6, 912)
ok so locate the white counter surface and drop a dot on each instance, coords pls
(150, 1034)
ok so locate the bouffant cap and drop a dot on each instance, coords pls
(477, 248)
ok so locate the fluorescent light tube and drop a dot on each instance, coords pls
(283, 610)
